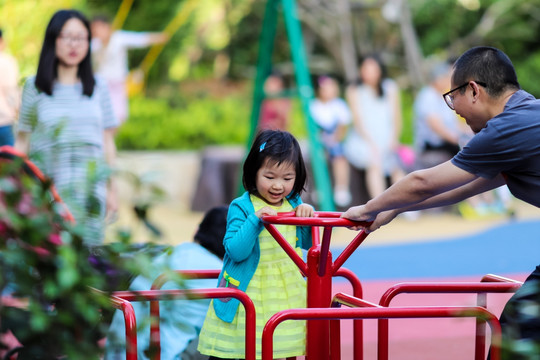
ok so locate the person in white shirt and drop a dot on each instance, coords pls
(331, 113)
(9, 94)
(110, 56)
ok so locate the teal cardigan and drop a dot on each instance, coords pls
(242, 251)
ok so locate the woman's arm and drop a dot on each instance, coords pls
(22, 142)
(395, 101)
(109, 150)
(27, 116)
(354, 106)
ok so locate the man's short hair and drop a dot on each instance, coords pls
(488, 65)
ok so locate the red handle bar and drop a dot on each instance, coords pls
(320, 218)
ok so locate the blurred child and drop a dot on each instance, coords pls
(333, 117)
(275, 109)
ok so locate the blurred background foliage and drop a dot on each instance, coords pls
(199, 89)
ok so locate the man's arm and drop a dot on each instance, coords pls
(440, 185)
(475, 187)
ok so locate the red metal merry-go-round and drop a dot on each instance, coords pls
(324, 311)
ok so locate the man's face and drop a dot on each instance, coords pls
(468, 104)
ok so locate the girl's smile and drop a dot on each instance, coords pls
(275, 181)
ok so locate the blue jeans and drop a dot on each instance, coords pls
(6, 135)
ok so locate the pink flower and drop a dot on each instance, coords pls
(40, 251)
(25, 206)
(4, 229)
(55, 239)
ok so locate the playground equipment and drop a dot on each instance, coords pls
(324, 312)
(323, 338)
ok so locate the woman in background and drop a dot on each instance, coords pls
(373, 141)
(66, 123)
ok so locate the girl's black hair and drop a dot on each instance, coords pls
(47, 70)
(279, 147)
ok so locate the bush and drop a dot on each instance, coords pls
(48, 275)
(173, 121)
(156, 124)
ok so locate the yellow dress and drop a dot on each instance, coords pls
(276, 285)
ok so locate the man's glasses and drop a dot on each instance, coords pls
(449, 98)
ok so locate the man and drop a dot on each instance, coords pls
(9, 94)
(505, 150)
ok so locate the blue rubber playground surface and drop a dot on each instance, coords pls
(509, 248)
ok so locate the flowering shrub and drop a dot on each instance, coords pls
(48, 273)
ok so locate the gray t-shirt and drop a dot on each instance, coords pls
(509, 145)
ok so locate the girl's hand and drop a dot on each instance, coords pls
(304, 210)
(267, 210)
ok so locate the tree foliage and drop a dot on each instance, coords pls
(219, 41)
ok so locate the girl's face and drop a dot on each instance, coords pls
(72, 43)
(328, 90)
(370, 72)
(274, 182)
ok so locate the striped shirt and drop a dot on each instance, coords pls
(66, 143)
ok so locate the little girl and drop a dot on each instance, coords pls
(274, 176)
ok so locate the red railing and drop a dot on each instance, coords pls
(155, 337)
(155, 342)
(215, 293)
(375, 312)
(130, 325)
(488, 284)
(319, 270)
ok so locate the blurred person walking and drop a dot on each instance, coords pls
(9, 93)
(110, 55)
